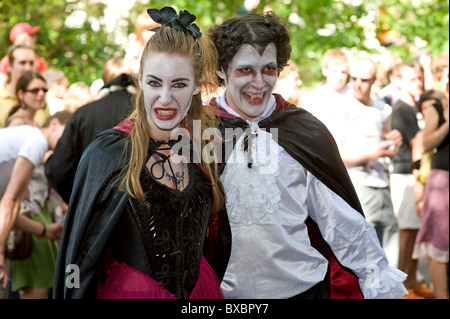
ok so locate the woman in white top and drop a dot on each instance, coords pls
(23, 148)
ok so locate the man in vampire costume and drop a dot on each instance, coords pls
(298, 230)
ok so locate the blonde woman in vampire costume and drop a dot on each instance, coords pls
(140, 212)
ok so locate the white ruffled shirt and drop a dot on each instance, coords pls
(268, 204)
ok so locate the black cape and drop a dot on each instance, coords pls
(94, 209)
(308, 141)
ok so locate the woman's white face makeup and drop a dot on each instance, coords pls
(250, 80)
(168, 84)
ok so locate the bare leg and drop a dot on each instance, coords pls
(438, 276)
(406, 263)
(34, 293)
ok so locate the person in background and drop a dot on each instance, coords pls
(329, 102)
(379, 83)
(440, 67)
(299, 197)
(142, 33)
(77, 95)
(113, 68)
(432, 240)
(248, 6)
(113, 106)
(32, 277)
(404, 119)
(57, 84)
(389, 94)
(289, 83)
(21, 58)
(31, 90)
(364, 149)
(23, 148)
(422, 159)
(30, 96)
(21, 34)
(130, 176)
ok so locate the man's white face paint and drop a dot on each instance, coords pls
(250, 80)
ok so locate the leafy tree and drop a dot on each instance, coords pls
(74, 36)
(79, 51)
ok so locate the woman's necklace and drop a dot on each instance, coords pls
(177, 178)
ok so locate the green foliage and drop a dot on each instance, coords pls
(80, 52)
(315, 25)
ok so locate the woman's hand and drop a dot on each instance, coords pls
(54, 231)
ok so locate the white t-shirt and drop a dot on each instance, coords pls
(363, 136)
(25, 141)
(330, 107)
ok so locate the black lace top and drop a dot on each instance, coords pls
(164, 236)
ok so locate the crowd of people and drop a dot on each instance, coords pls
(333, 192)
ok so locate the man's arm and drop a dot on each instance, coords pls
(351, 160)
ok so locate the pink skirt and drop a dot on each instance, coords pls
(125, 282)
(432, 240)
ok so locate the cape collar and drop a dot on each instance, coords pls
(125, 127)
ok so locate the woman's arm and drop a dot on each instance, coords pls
(433, 135)
(10, 202)
(52, 231)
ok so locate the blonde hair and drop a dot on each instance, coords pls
(335, 55)
(113, 68)
(143, 22)
(77, 95)
(204, 59)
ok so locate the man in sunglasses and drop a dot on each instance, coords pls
(365, 145)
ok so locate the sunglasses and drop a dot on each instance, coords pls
(353, 78)
(36, 91)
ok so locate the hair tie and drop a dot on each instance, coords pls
(182, 21)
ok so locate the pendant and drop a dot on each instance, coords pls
(177, 179)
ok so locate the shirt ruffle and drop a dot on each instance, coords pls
(385, 283)
(240, 180)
